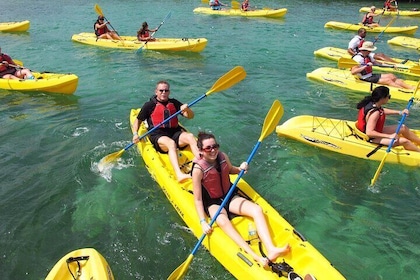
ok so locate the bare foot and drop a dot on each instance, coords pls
(182, 177)
(278, 251)
(264, 262)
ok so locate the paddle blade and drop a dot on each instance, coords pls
(416, 89)
(272, 119)
(378, 171)
(346, 62)
(98, 10)
(109, 158)
(181, 270)
(235, 5)
(229, 79)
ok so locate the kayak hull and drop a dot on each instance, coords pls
(392, 13)
(344, 79)
(15, 26)
(131, 43)
(304, 257)
(354, 27)
(44, 82)
(271, 13)
(340, 136)
(96, 267)
(407, 42)
(337, 53)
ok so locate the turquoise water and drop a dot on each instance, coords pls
(54, 200)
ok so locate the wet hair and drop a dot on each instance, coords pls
(203, 136)
(377, 94)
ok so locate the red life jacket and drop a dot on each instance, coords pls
(5, 57)
(162, 112)
(361, 119)
(101, 30)
(367, 19)
(366, 60)
(216, 183)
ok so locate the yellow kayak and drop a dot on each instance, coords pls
(304, 257)
(45, 82)
(354, 27)
(82, 264)
(392, 13)
(342, 136)
(271, 13)
(344, 79)
(407, 67)
(15, 26)
(131, 43)
(407, 42)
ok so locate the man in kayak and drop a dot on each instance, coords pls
(102, 31)
(170, 136)
(10, 70)
(357, 41)
(216, 4)
(368, 18)
(371, 121)
(364, 70)
(211, 183)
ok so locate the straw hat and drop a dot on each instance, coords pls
(367, 46)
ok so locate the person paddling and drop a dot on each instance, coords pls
(368, 18)
(10, 70)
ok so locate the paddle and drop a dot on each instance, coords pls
(235, 5)
(163, 21)
(381, 165)
(386, 27)
(229, 79)
(348, 63)
(99, 12)
(271, 120)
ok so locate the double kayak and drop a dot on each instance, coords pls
(15, 26)
(407, 67)
(44, 82)
(304, 259)
(344, 79)
(407, 42)
(412, 13)
(81, 264)
(342, 136)
(386, 29)
(271, 13)
(131, 43)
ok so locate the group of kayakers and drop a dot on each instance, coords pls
(369, 16)
(217, 5)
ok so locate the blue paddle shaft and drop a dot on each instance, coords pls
(229, 194)
(410, 102)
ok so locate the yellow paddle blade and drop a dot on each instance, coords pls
(378, 171)
(346, 62)
(272, 119)
(109, 158)
(235, 5)
(416, 89)
(181, 270)
(204, 1)
(98, 10)
(18, 62)
(232, 77)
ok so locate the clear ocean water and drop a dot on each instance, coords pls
(53, 199)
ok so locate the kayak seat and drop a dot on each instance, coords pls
(357, 133)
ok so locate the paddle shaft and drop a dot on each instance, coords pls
(163, 21)
(386, 27)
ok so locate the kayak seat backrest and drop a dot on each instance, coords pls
(359, 133)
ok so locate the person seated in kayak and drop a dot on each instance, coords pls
(368, 18)
(144, 33)
(357, 41)
(169, 136)
(245, 5)
(389, 7)
(102, 31)
(364, 70)
(216, 4)
(211, 183)
(10, 70)
(371, 121)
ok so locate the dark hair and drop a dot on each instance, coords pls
(101, 17)
(203, 136)
(377, 94)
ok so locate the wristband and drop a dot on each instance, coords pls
(135, 134)
(202, 220)
(400, 112)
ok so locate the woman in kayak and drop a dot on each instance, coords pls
(368, 18)
(389, 7)
(245, 5)
(144, 33)
(10, 70)
(210, 176)
(216, 4)
(102, 31)
(371, 121)
(364, 70)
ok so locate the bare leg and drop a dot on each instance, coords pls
(169, 145)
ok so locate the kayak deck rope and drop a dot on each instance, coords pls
(76, 259)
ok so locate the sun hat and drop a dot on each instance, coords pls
(367, 46)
